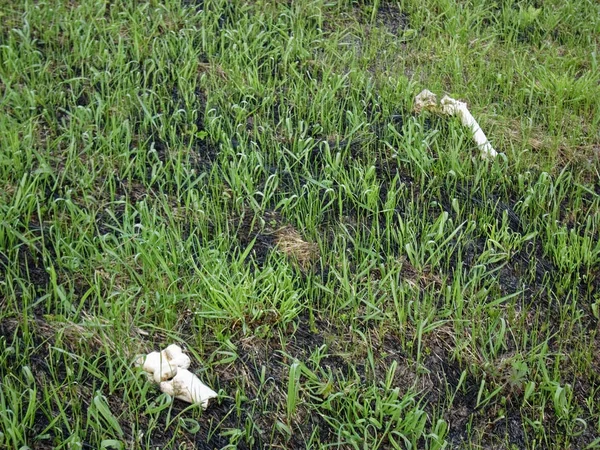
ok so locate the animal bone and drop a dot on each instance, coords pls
(158, 366)
(454, 107)
(169, 369)
(176, 356)
(427, 100)
(187, 387)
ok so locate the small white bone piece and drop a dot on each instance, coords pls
(187, 387)
(176, 356)
(158, 365)
(427, 100)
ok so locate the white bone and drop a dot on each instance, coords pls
(454, 107)
(427, 100)
(187, 387)
(176, 356)
(169, 369)
(158, 366)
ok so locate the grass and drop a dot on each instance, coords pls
(248, 179)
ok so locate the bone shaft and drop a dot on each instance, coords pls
(479, 136)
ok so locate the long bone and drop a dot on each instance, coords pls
(427, 100)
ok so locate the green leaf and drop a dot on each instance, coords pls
(104, 410)
(112, 443)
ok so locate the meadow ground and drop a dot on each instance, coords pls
(249, 180)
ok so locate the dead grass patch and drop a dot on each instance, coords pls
(289, 241)
(214, 69)
(271, 231)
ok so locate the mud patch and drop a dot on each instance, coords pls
(392, 18)
(28, 266)
(271, 231)
(261, 371)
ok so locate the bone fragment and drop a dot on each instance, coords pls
(187, 387)
(427, 100)
(169, 369)
(158, 366)
(176, 356)
(454, 107)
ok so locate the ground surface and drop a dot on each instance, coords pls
(248, 179)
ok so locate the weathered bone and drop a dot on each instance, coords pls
(427, 100)
(187, 387)
(177, 357)
(169, 369)
(158, 366)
